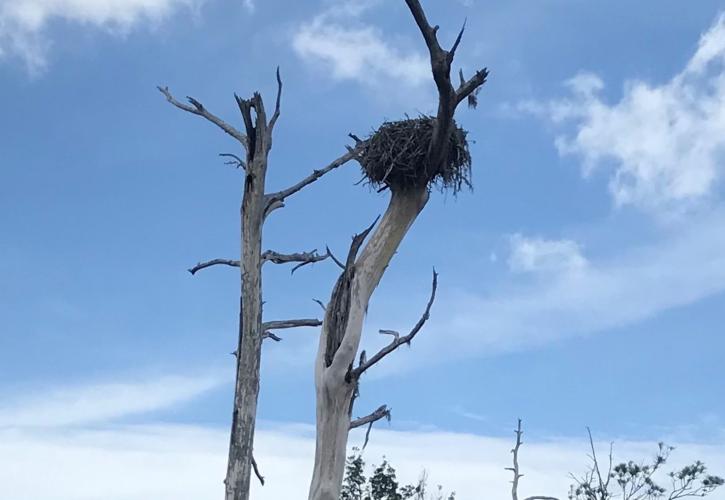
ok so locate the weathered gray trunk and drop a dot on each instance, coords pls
(334, 389)
(249, 348)
(256, 206)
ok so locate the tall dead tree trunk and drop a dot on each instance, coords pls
(255, 207)
(336, 377)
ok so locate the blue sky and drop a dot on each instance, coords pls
(581, 282)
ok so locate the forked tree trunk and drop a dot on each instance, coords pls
(337, 349)
(336, 378)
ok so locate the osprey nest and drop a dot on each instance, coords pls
(395, 156)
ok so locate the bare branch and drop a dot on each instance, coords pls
(290, 323)
(448, 98)
(390, 332)
(369, 420)
(271, 207)
(452, 52)
(214, 262)
(320, 304)
(256, 471)
(603, 486)
(398, 341)
(275, 115)
(235, 160)
(269, 335)
(334, 259)
(515, 468)
(303, 258)
(339, 306)
(428, 32)
(316, 174)
(285, 324)
(198, 108)
(470, 88)
(382, 412)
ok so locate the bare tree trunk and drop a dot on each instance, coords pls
(336, 378)
(249, 349)
(337, 349)
(256, 206)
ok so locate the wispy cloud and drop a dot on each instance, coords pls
(665, 143)
(551, 302)
(184, 462)
(462, 412)
(188, 462)
(539, 254)
(24, 23)
(353, 50)
(102, 402)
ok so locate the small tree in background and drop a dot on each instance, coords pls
(626, 481)
(638, 480)
(353, 487)
(383, 483)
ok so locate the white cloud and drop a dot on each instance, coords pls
(24, 23)
(356, 51)
(462, 412)
(665, 143)
(102, 402)
(538, 254)
(679, 268)
(188, 462)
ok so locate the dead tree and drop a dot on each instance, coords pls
(515, 469)
(641, 480)
(256, 206)
(627, 480)
(407, 157)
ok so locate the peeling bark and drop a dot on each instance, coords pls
(335, 390)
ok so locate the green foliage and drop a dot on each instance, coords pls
(626, 481)
(382, 484)
(637, 481)
(353, 486)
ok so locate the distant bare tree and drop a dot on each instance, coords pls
(256, 206)
(638, 480)
(627, 480)
(515, 468)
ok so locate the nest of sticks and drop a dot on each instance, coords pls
(396, 157)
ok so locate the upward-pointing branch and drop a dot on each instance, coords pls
(448, 97)
(275, 115)
(279, 196)
(398, 340)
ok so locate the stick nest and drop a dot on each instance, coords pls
(396, 156)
